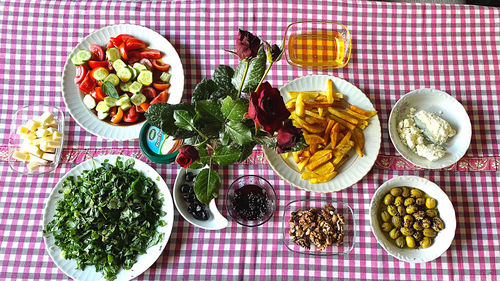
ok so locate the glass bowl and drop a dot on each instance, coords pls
(238, 184)
(317, 44)
(21, 117)
(341, 208)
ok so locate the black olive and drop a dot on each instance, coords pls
(189, 177)
(185, 188)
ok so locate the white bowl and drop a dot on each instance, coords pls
(446, 212)
(445, 106)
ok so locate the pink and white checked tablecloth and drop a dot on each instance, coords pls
(396, 48)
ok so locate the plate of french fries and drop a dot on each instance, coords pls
(342, 131)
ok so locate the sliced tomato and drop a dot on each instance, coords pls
(112, 111)
(135, 44)
(161, 98)
(88, 83)
(124, 37)
(149, 92)
(146, 62)
(131, 115)
(81, 72)
(98, 94)
(97, 52)
(110, 45)
(115, 42)
(139, 109)
(122, 50)
(117, 117)
(151, 54)
(110, 65)
(161, 66)
(95, 64)
(144, 106)
(161, 86)
(134, 56)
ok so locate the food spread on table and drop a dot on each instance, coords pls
(425, 133)
(196, 209)
(120, 84)
(410, 217)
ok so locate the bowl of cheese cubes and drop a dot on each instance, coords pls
(36, 139)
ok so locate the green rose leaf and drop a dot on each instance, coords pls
(204, 90)
(255, 72)
(184, 120)
(225, 155)
(204, 157)
(222, 77)
(225, 139)
(238, 132)
(209, 110)
(196, 166)
(246, 150)
(206, 185)
(234, 110)
(183, 134)
(161, 115)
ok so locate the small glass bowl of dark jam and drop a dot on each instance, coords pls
(251, 200)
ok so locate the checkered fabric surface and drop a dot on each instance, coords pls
(396, 48)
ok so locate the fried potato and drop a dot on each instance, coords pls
(324, 178)
(305, 94)
(300, 106)
(345, 116)
(362, 111)
(314, 139)
(319, 158)
(359, 141)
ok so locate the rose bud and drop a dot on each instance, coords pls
(187, 155)
(267, 108)
(247, 45)
(288, 136)
(276, 53)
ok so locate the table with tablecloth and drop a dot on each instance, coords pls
(396, 48)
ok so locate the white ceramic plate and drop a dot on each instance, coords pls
(144, 261)
(73, 97)
(215, 222)
(356, 167)
(441, 242)
(445, 106)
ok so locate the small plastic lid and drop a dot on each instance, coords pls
(157, 146)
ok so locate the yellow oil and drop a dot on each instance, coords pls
(317, 49)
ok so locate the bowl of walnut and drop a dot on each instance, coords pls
(319, 227)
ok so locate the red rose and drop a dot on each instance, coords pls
(187, 154)
(288, 136)
(247, 45)
(267, 108)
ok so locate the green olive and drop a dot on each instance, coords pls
(400, 242)
(409, 201)
(394, 233)
(411, 209)
(430, 203)
(431, 212)
(407, 221)
(416, 193)
(401, 210)
(391, 209)
(398, 201)
(386, 226)
(396, 191)
(405, 192)
(410, 242)
(388, 199)
(426, 223)
(418, 235)
(428, 232)
(385, 216)
(406, 231)
(397, 221)
(417, 226)
(420, 215)
(420, 201)
(426, 242)
(437, 223)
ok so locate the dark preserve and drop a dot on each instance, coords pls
(251, 202)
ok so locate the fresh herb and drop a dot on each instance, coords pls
(107, 217)
(110, 90)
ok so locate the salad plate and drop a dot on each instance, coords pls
(73, 96)
(356, 167)
(144, 261)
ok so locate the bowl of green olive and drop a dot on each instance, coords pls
(412, 219)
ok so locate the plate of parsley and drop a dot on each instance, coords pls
(109, 218)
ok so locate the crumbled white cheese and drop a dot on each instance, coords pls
(433, 126)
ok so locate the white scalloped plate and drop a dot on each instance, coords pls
(356, 167)
(144, 261)
(446, 211)
(72, 95)
(442, 104)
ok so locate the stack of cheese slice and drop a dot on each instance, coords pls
(40, 139)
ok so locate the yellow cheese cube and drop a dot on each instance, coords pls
(36, 142)
(40, 133)
(46, 117)
(56, 136)
(32, 125)
(31, 135)
(21, 156)
(35, 158)
(22, 130)
(33, 149)
(49, 156)
(52, 123)
(32, 165)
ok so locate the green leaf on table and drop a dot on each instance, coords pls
(207, 185)
(161, 115)
(110, 90)
(222, 77)
(255, 72)
(225, 155)
(204, 90)
(184, 120)
(246, 150)
(238, 132)
(234, 110)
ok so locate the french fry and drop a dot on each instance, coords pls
(345, 116)
(313, 120)
(296, 156)
(312, 114)
(359, 141)
(313, 128)
(324, 178)
(344, 123)
(325, 168)
(329, 91)
(357, 115)
(319, 158)
(302, 164)
(299, 105)
(290, 105)
(334, 134)
(328, 130)
(362, 111)
(305, 94)
(321, 112)
(314, 139)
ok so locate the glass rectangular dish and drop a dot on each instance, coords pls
(341, 208)
(21, 117)
(317, 45)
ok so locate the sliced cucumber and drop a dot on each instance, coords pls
(135, 87)
(140, 67)
(102, 115)
(124, 103)
(138, 99)
(165, 77)
(124, 86)
(100, 73)
(119, 64)
(134, 71)
(113, 54)
(110, 101)
(76, 60)
(145, 77)
(84, 55)
(102, 107)
(89, 101)
(113, 79)
(124, 74)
